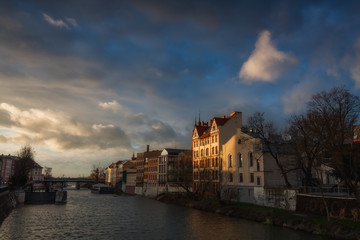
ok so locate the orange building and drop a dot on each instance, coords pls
(207, 141)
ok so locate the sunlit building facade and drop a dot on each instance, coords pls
(207, 141)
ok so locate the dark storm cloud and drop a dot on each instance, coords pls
(136, 72)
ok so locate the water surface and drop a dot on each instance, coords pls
(93, 216)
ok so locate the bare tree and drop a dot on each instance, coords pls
(308, 148)
(274, 143)
(23, 166)
(47, 172)
(181, 173)
(324, 136)
(97, 173)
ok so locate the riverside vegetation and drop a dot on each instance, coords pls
(335, 228)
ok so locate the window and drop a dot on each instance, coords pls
(216, 138)
(230, 160)
(212, 139)
(216, 162)
(241, 178)
(258, 180)
(230, 177)
(240, 160)
(216, 150)
(257, 165)
(251, 177)
(212, 150)
(213, 163)
(251, 161)
(202, 152)
(207, 152)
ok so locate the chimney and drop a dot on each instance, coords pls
(147, 148)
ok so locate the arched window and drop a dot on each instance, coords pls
(230, 160)
(251, 160)
(240, 160)
(257, 165)
(202, 152)
(207, 152)
(216, 150)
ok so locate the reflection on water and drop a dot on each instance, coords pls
(93, 216)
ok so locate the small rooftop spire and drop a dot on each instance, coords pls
(199, 122)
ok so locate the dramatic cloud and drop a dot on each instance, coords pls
(94, 82)
(60, 131)
(266, 63)
(114, 106)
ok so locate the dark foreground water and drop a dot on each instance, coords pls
(92, 216)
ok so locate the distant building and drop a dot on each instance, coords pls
(114, 172)
(207, 141)
(129, 180)
(151, 169)
(174, 170)
(146, 165)
(110, 175)
(7, 167)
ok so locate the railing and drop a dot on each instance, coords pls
(335, 190)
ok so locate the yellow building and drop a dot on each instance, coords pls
(250, 173)
(207, 141)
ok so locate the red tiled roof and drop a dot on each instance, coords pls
(221, 121)
(201, 129)
(204, 131)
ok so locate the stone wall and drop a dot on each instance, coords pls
(339, 207)
(275, 197)
(154, 191)
(7, 204)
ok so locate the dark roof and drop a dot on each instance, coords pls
(174, 151)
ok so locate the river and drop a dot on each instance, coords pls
(93, 216)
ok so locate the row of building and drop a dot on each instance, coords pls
(152, 172)
(225, 161)
(7, 169)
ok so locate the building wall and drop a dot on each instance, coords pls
(7, 168)
(130, 182)
(207, 149)
(249, 171)
(139, 164)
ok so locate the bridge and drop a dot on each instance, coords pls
(67, 180)
(62, 180)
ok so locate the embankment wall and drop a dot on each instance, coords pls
(7, 203)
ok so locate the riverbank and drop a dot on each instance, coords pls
(335, 228)
(7, 203)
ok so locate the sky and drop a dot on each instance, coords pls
(91, 82)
